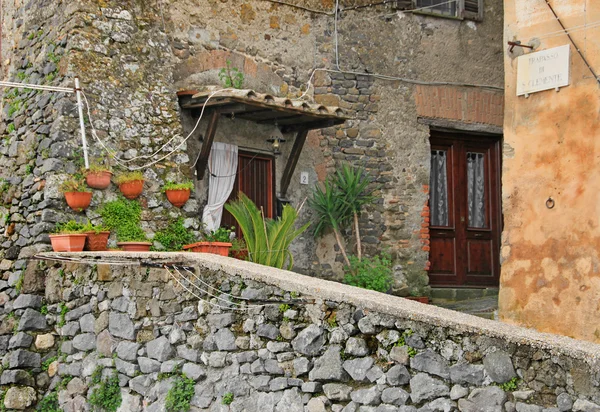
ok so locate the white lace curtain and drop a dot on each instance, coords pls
(476, 189)
(438, 189)
(222, 165)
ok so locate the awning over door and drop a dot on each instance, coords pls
(290, 115)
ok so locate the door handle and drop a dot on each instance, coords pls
(478, 235)
(462, 219)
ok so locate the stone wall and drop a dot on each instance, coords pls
(133, 56)
(269, 340)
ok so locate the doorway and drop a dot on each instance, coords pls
(465, 214)
(256, 179)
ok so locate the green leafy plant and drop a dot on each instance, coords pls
(129, 177)
(10, 128)
(70, 227)
(124, 218)
(181, 393)
(174, 236)
(373, 273)
(107, 396)
(89, 227)
(28, 169)
(97, 375)
(75, 184)
(402, 342)
(19, 284)
(238, 244)
(231, 76)
(96, 166)
(65, 381)
(47, 362)
(332, 320)
(169, 185)
(283, 307)
(63, 313)
(44, 309)
(509, 386)
(49, 403)
(268, 240)
(222, 234)
(227, 398)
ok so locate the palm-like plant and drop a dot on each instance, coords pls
(332, 211)
(268, 240)
(353, 184)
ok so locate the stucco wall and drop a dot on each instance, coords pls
(550, 256)
(271, 339)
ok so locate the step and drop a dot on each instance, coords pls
(458, 294)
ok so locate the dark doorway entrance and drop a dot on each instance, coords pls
(256, 179)
(464, 201)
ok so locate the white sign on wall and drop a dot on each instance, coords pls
(543, 70)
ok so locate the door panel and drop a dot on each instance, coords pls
(256, 179)
(473, 204)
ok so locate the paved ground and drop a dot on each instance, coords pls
(485, 307)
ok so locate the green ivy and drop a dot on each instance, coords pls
(47, 362)
(49, 403)
(509, 386)
(181, 393)
(97, 375)
(373, 273)
(175, 236)
(107, 396)
(124, 217)
(63, 312)
(227, 398)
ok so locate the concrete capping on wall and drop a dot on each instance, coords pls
(368, 300)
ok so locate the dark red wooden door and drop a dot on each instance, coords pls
(465, 221)
(255, 178)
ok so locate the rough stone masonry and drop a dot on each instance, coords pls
(269, 340)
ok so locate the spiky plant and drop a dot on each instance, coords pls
(268, 240)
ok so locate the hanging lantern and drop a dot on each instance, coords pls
(276, 138)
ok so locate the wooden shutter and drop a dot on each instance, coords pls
(473, 10)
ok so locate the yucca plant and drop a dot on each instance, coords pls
(332, 212)
(353, 184)
(268, 240)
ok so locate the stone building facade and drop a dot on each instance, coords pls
(132, 58)
(550, 176)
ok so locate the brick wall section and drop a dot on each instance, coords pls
(468, 105)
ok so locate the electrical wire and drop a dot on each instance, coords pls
(300, 7)
(37, 87)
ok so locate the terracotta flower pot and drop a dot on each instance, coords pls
(135, 246)
(98, 180)
(133, 189)
(421, 299)
(97, 242)
(241, 254)
(78, 201)
(68, 242)
(216, 248)
(178, 197)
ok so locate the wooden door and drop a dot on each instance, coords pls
(256, 179)
(464, 202)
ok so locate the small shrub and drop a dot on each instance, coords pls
(70, 227)
(10, 128)
(129, 177)
(231, 77)
(187, 185)
(175, 236)
(510, 386)
(222, 234)
(181, 393)
(107, 396)
(49, 403)
(373, 273)
(74, 184)
(227, 398)
(124, 217)
(96, 375)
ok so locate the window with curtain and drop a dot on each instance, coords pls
(476, 189)
(443, 7)
(438, 189)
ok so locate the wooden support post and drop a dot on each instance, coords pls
(207, 144)
(292, 162)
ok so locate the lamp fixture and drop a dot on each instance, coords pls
(276, 138)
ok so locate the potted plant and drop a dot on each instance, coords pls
(77, 195)
(130, 184)
(97, 238)
(98, 176)
(239, 250)
(124, 217)
(68, 237)
(216, 242)
(178, 193)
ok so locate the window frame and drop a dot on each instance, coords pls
(461, 12)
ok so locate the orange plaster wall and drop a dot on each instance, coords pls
(551, 257)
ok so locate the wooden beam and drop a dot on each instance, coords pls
(320, 124)
(207, 144)
(292, 162)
